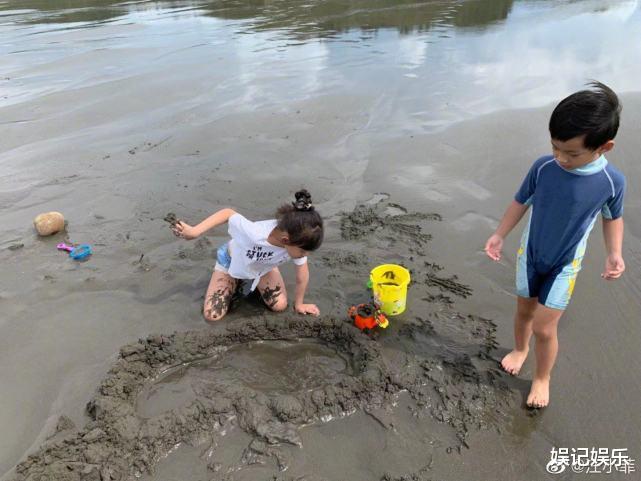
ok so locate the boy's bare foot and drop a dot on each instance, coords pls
(513, 361)
(539, 396)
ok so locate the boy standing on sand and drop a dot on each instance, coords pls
(567, 191)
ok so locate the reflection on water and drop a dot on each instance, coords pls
(318, 18)
(473, 57)
(335, 16)
(59, 11)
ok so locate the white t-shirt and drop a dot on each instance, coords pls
(251, 255)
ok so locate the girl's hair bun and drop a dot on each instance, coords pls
(303, 201)
(301, 221)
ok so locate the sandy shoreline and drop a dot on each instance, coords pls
(116, 163)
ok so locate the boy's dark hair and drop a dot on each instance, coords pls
(594, 113)
(301, 221)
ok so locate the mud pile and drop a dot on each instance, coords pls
(441, 358)
(119, 443)
(387, 221)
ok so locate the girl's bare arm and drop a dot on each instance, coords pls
(302, 279)
(182, 229)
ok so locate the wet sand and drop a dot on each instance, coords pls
(66, 322)
(440, 357)
(117, 151)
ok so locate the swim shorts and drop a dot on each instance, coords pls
(223, 258)
(223, 261)
(553, 288)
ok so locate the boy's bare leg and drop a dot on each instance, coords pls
(544, 326)
(525, 307)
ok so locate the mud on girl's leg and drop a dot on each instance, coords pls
(272, 290)
(218, 296)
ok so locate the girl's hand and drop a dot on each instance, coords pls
(181, 229)
(307, 309)
(493, 247)
(614, 267)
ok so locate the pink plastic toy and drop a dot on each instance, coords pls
(80, 252)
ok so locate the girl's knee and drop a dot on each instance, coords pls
(216, 306)
(275, 298)
(279, 305)
(210, 317)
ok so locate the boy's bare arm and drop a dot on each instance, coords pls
(512, 216)
(613, 237)
(186, 231)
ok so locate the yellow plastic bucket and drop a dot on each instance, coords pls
(389, 285)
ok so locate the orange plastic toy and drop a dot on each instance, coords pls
(367, 316)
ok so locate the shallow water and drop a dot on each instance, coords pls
(471, 57)
(116, 113)
(266, 367)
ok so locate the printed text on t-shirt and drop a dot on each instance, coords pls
(258, 253)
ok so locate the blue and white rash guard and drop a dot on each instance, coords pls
(565, 205)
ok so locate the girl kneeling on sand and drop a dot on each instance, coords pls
(255, 251)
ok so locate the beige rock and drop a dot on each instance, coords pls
(49, 223)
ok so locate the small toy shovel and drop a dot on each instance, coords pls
(77, 253)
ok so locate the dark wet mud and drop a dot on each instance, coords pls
(171, 219)
(270, 376)
(270, 295)
(121, 443)
(388, 221)
(218, 303)
(265, 366)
